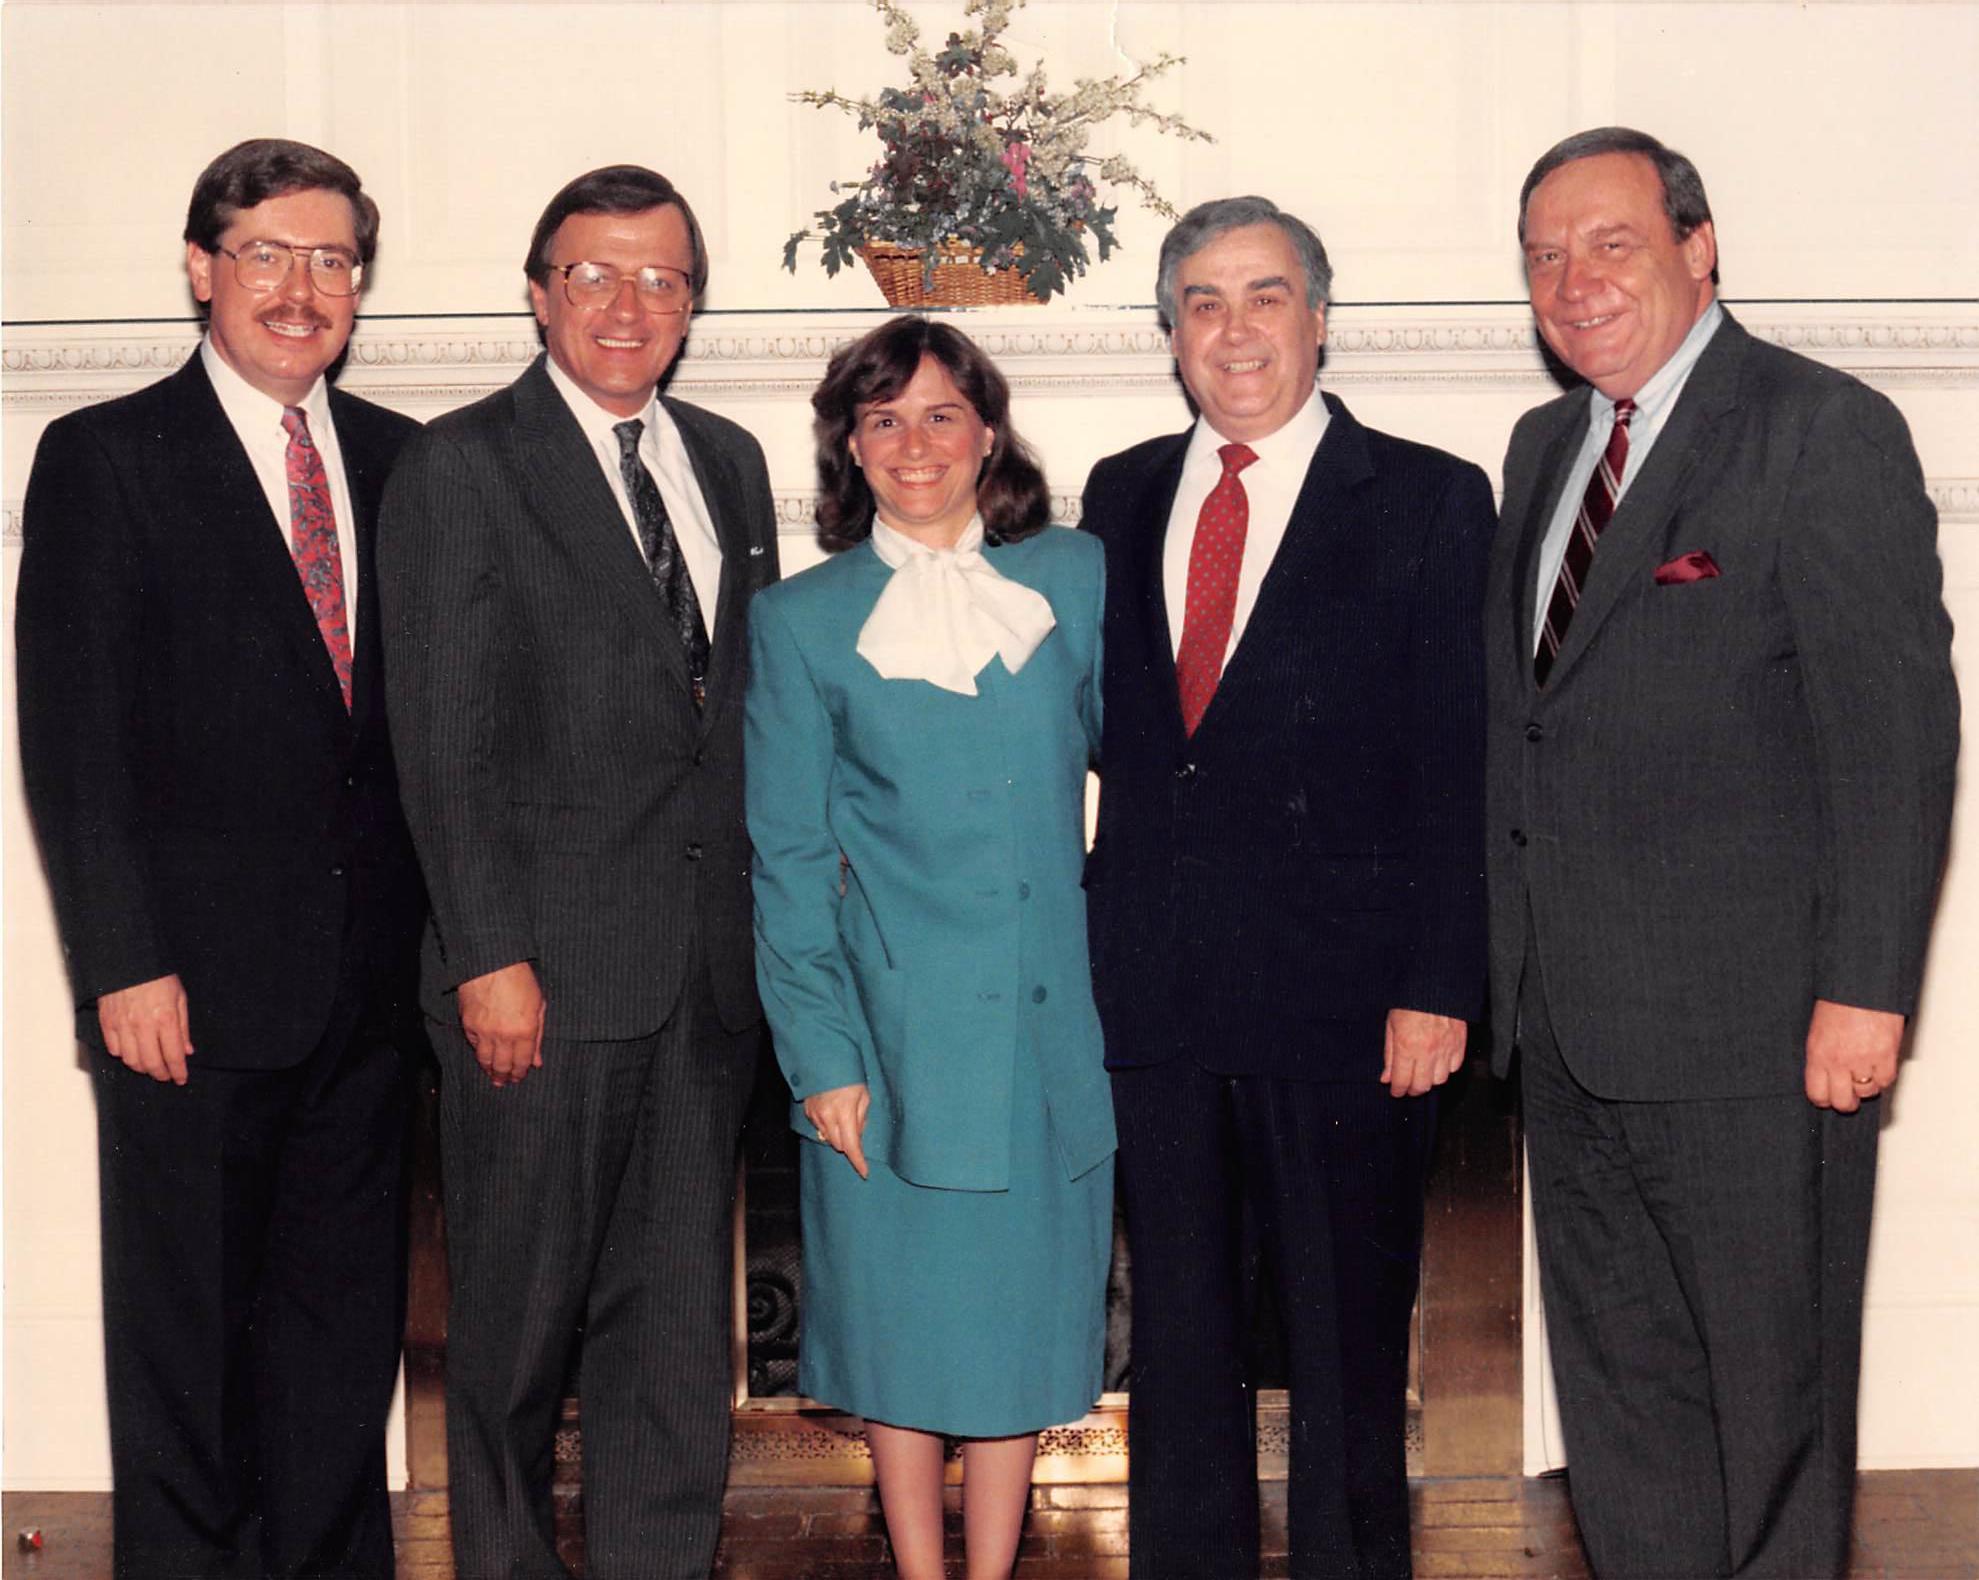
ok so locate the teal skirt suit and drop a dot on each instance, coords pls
(920, 927)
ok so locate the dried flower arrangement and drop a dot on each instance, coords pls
(995, 175)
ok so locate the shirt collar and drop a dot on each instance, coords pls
(597, 423)
(1290, 447)
(1653, 400)
(255, 411)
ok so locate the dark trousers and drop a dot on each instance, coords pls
(253, 1301)
(1333, 1176)
(594, 1198)
(1702, 1264)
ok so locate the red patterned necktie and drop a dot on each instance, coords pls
(313, 535)
(1597, 505)
(1215, 558)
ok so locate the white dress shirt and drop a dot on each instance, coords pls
(1271, 484)
(257, 419)
(1653, 404)
(665, 455)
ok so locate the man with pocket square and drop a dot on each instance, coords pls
(1723, 735)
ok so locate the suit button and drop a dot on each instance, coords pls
(337, 871)
(1535, 731)
(1023, 891)
(694, 850)
(1518, 838)
(700, 756)
(350, 781)
(1039, 995)
(1185, 770)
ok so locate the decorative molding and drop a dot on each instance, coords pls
(430, 364)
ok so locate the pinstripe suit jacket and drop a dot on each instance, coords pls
(1733, 795)
(569, 806)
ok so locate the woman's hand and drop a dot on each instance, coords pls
(840, 1118)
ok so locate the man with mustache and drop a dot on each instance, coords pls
(202, 726)
(1723, 732)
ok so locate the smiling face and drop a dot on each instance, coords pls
(921, 452)
(615, 353)
(280, 341)
(1613, 289)
(1245, 340)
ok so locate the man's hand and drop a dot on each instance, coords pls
(1851, 1054)
(501, 1015)
(1419, 1051)
(840, 1118)
(149, 1027)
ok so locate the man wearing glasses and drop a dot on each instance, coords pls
(567, 569)
(202, 724)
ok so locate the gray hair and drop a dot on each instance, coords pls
(1205, 222)
(1683, 188)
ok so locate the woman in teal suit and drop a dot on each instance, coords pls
(922, 710)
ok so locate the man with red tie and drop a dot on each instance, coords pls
(202, 727)
(1723, 734)
(1285, 896)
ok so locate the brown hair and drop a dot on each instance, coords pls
(1011, 494)
(250, 173)
(614, 189)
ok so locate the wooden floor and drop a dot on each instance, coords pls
(1910, 1525)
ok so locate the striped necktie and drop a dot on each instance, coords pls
(1597, 507)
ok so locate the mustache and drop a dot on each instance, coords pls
(283, 312)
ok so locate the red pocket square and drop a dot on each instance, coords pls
(1696, 566)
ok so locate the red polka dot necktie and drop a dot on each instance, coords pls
(1597, 505)
(313, 540)
(1215, 558)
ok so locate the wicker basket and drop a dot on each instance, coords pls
(959, 281)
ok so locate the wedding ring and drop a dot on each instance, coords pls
(1863, 1080)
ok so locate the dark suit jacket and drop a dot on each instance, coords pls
(1261, 894)
(205, 804)
(1733, 794)
(569, 806)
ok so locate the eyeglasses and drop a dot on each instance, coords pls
(263, 265)
(660, 289)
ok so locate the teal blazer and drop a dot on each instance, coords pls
(918, 914)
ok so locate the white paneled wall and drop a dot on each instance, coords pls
(1838, 142)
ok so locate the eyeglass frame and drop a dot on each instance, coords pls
(687, 284)
(294, 250)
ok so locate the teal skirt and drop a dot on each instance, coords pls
(969, 1313)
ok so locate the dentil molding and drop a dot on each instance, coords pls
(430, 364)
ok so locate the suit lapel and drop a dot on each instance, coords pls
(1691, 429)
(721, 492)
(1549, 477)
(364, 473)
(1321, 517)
(1152, 509)
(233, 519)
(568, 491)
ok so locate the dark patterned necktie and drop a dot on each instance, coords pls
(663, 557)
(1597, 506)
(1215, 558)
(313, 541)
